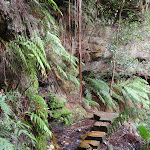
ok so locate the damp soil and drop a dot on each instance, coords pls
(68, 138)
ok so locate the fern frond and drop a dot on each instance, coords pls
(144, 133)
(5, 144)
(39, 102)
(29, 135)
(4, 106)
(51, 2)
(39, 43)
(134, 90)
(90, 102)
(39, 122)
(101, 89)
(73, 79)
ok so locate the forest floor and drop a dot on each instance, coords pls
(68, 138)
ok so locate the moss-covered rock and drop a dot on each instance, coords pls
(59, 112)
(57, 102)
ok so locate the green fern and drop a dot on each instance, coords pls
(11, 128)
(24, 50)
(54, 5)
(39, 102)
(4, 106)
(41, 142)
(88, 102)
(144, 133)
(133, 90)
(101, 89)
(5, 144)
(40, 123)
(126, 115)
(59, 53)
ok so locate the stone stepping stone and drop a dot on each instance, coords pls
(88, 144)
(91, 140)
(95, 135)
(104, 116)
(101, 126)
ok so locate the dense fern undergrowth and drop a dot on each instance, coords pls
(39, 55)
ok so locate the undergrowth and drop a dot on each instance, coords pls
(130, 92)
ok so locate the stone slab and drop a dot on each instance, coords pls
(95, 135)
(101, 126)
(104, 116)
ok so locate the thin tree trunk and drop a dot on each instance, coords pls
(70, 42)
(117, 43)
(70, 37)
(80, 49)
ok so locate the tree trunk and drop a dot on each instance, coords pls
(80, 49)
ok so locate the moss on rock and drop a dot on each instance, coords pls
(57, 102)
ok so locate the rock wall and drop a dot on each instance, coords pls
(98, 46)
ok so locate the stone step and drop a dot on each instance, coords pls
(95, 135)
(104, 116)
(88, 144)
(101, 126)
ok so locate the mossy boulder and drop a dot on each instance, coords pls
(59, 113)
(57, 102)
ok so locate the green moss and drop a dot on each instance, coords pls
(60, 112)
(57, 102)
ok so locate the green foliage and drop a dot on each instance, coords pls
(25, 52)
(60, 59)
(52, 3)
(4, 106)
(101, 89)
(12, 129)
(130, 35)
(129, 92)
(133, 91)
(144, 133)
(26, 55)
(60, 113)
(128, 113)
(5, 144)
(39, 120)
(56, 101)
(41, 142)
(88, 102)
(143, 127)
(40, 124)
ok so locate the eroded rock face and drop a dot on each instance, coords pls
(15, 18)
(3, 25)
(95, 44)
(98, 48)
(5, 20)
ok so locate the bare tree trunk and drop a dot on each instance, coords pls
(80, 49)
(117, 43)
(70, 37)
